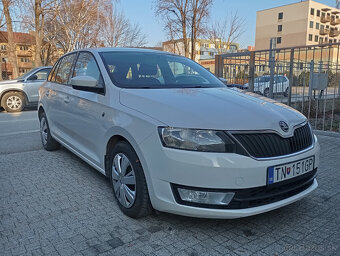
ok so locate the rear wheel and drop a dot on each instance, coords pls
(266, 92)
(128, 181)
(286, 92)
(13, 102)
(48, 142)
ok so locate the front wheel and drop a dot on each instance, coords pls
(128, 181)
(13, 102)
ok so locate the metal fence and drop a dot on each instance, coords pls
(305, 78)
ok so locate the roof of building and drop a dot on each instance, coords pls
(19, 38)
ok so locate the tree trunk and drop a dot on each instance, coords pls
(38, 32)
(11, 49)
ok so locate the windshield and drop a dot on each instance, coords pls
(154, 70)
(262, 79)
(24, 76)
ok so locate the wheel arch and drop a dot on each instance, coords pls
(13, 90)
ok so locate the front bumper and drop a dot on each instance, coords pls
(218, 171)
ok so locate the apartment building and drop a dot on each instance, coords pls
(205, 49)
(25, 43)
(298, 24)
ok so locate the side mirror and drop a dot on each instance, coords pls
(223, 80)
(84, 81)
(33, 77)
(87, 83)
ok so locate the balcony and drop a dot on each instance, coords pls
(334, 33)
(324, 31)
(325, 19)
(335, 22)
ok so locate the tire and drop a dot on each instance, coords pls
(128, 181)
(286, 92)
(266, 92)
(47, 141)
(13, 102)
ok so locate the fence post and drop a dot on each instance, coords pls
(310, 92)
(272, 65)
(251, 77)
(291, 76)
(219, 65)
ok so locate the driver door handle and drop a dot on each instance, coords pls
(67, 99)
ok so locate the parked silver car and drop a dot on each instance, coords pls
(23, 91)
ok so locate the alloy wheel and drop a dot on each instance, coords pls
(123, 180)
(43, 130)
(14, 102)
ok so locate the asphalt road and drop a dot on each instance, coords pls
(19, 132)
(53, 203)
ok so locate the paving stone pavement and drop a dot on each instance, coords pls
(52, 203)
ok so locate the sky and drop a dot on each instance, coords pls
(142, 13)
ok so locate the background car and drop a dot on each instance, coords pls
(280, 86)
(23, 91)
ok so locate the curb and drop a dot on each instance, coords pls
(326, 133)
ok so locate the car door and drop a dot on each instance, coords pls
(87, 111)
(33, 83)
(58, 95)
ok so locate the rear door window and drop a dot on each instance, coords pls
(64, 69)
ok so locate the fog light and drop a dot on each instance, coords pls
(205, 197)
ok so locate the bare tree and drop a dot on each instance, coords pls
(41, 8)
(117, 31)
(1, 25)
(11, 46)
(176, 15)
(199, 14)
(226, 31)
(77, 23)
(184, 19)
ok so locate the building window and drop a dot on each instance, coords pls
(24, 59)
(201, 52)
(279, 28)
(278, 40)
(317, 25)
(316, 39)
(211, 53)
(318, 13)
(312, 11)
(311, 24)
(280, 16)
(321, 40)
(310, 37)
(3, 47)
(23, 47)
(326, 39)
(334, 40)
(330, 41)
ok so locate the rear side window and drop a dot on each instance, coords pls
(50, 76)
(86, 65)
(64, 69)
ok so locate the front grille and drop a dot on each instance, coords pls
(262, 145)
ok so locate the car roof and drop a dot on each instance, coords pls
(122, 49)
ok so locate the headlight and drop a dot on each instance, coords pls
(199, 140)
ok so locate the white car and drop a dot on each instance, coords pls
(280, 85)
(171, 136)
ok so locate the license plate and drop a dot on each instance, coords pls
(290, 170)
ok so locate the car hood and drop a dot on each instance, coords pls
(211, 108)
(6, 82)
